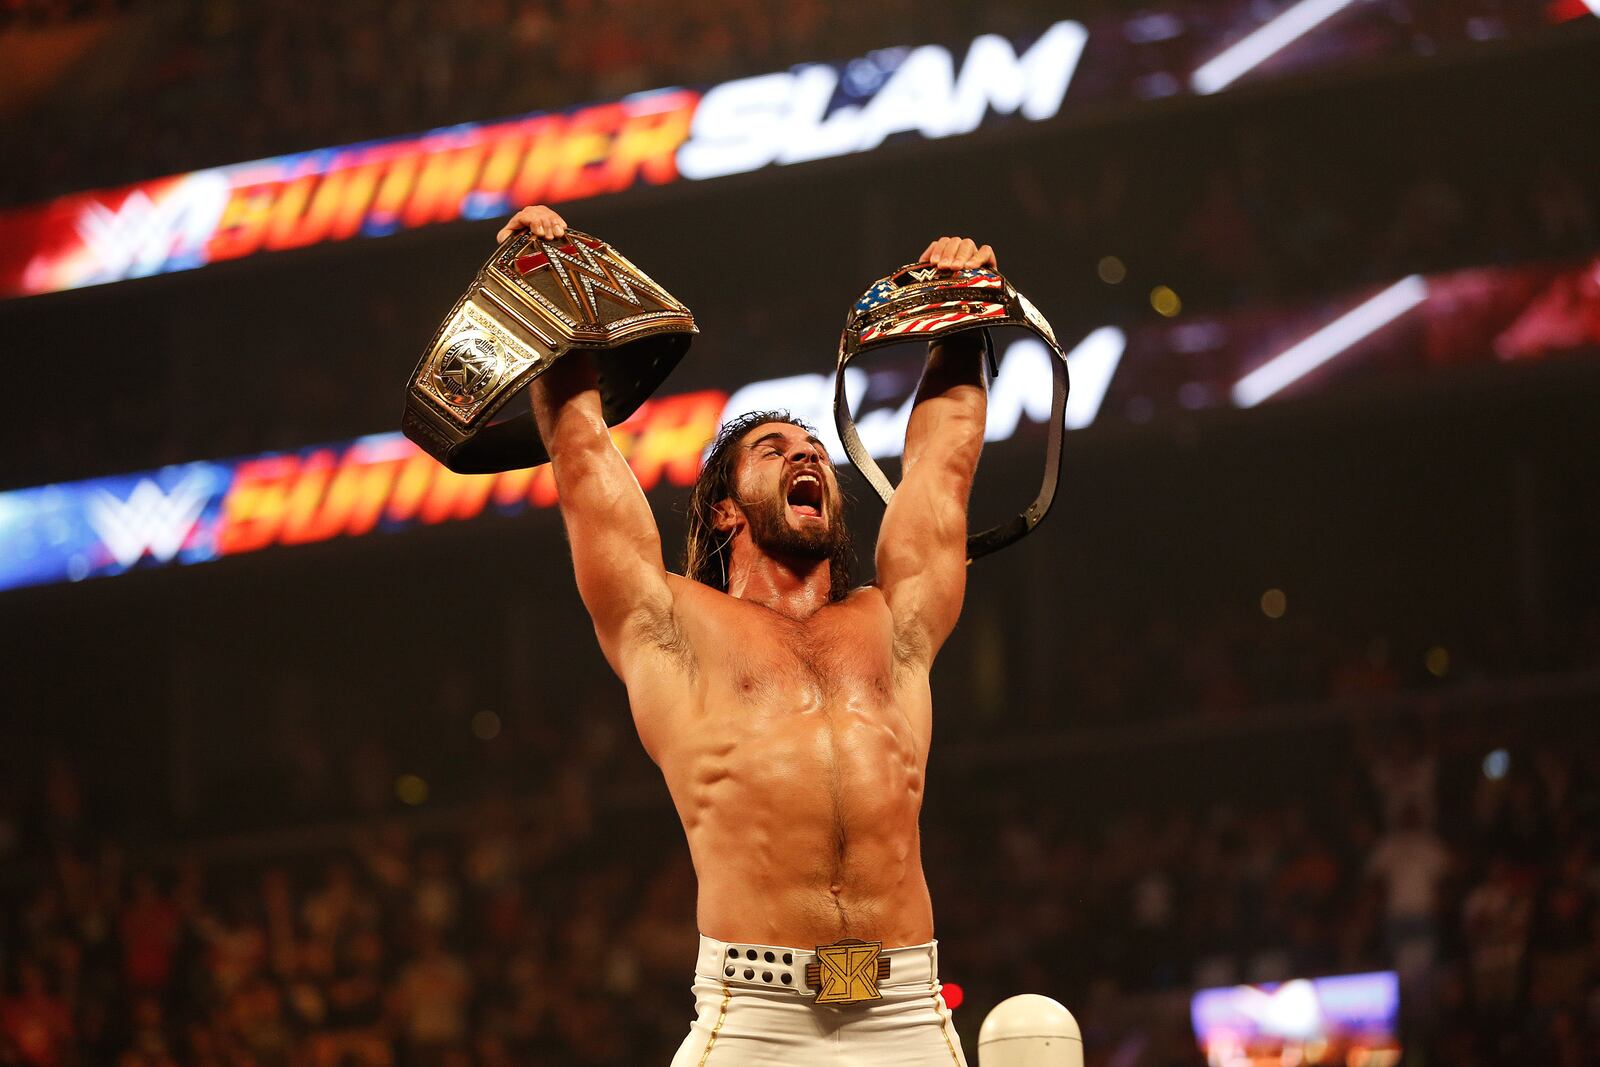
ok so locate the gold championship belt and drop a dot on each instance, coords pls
(921, 302)
(534, 301)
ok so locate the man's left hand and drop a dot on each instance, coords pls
(958, 253)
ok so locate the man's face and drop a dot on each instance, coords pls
(788, 492)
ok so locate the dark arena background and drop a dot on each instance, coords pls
(308, 754)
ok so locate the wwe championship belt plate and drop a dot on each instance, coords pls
(920, 302)
(535, 300)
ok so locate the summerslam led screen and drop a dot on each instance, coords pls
(1350, 1020)
(193, 512)
(484, 170)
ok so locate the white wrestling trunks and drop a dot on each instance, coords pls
(757, 1005)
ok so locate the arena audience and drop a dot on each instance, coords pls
(549, 918)
(558, 927)
(1263, 212)
(223, 82)
(220, 82)
(201, 84)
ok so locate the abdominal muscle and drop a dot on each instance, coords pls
(803, 823)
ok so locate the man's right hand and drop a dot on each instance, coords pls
(538, 218)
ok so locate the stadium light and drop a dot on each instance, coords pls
(1301, 359)
(1256, 48)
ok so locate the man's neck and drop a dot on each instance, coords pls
(797, 588)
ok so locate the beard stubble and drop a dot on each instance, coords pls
(772, 533)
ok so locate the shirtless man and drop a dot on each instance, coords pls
(789, 714)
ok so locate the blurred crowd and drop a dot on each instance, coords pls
(558, 926)
(1471, 871)
(1259, 217)
(319, 742)
(223, 81)
(55, 12)
(437, 883)
(1249, 206)
(1269, 203)
(1225, 663)
(540, 909)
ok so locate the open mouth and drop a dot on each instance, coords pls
(805, 495)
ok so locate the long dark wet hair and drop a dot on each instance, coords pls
(705, 550)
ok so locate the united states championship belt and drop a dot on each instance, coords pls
(535, 300)
(921, 302)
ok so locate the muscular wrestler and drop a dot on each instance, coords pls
(789, 714)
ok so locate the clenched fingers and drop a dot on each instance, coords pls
(539, 219)
(958, 253)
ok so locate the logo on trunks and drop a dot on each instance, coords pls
(848, 972)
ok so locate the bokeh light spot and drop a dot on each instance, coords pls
(411, 789)
(1111, 270)
(1496, 764)
(486, 726)
(1274, 602)
(1437, 660)
(1165, 301)
(953, 995)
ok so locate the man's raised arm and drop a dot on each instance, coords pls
(922, 544)
(616, 548)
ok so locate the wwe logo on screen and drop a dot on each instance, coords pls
(150, 520)
(145, 235)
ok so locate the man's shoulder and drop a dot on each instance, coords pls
(870, 596)
(686, 590)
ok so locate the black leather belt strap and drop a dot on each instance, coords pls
(627, 375)
(931, 300)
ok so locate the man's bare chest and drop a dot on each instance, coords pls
(843, 655)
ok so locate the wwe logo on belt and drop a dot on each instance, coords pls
(582, 265)
(468, 368)
(149, 520)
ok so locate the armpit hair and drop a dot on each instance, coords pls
(910, 647)
(660, 626)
